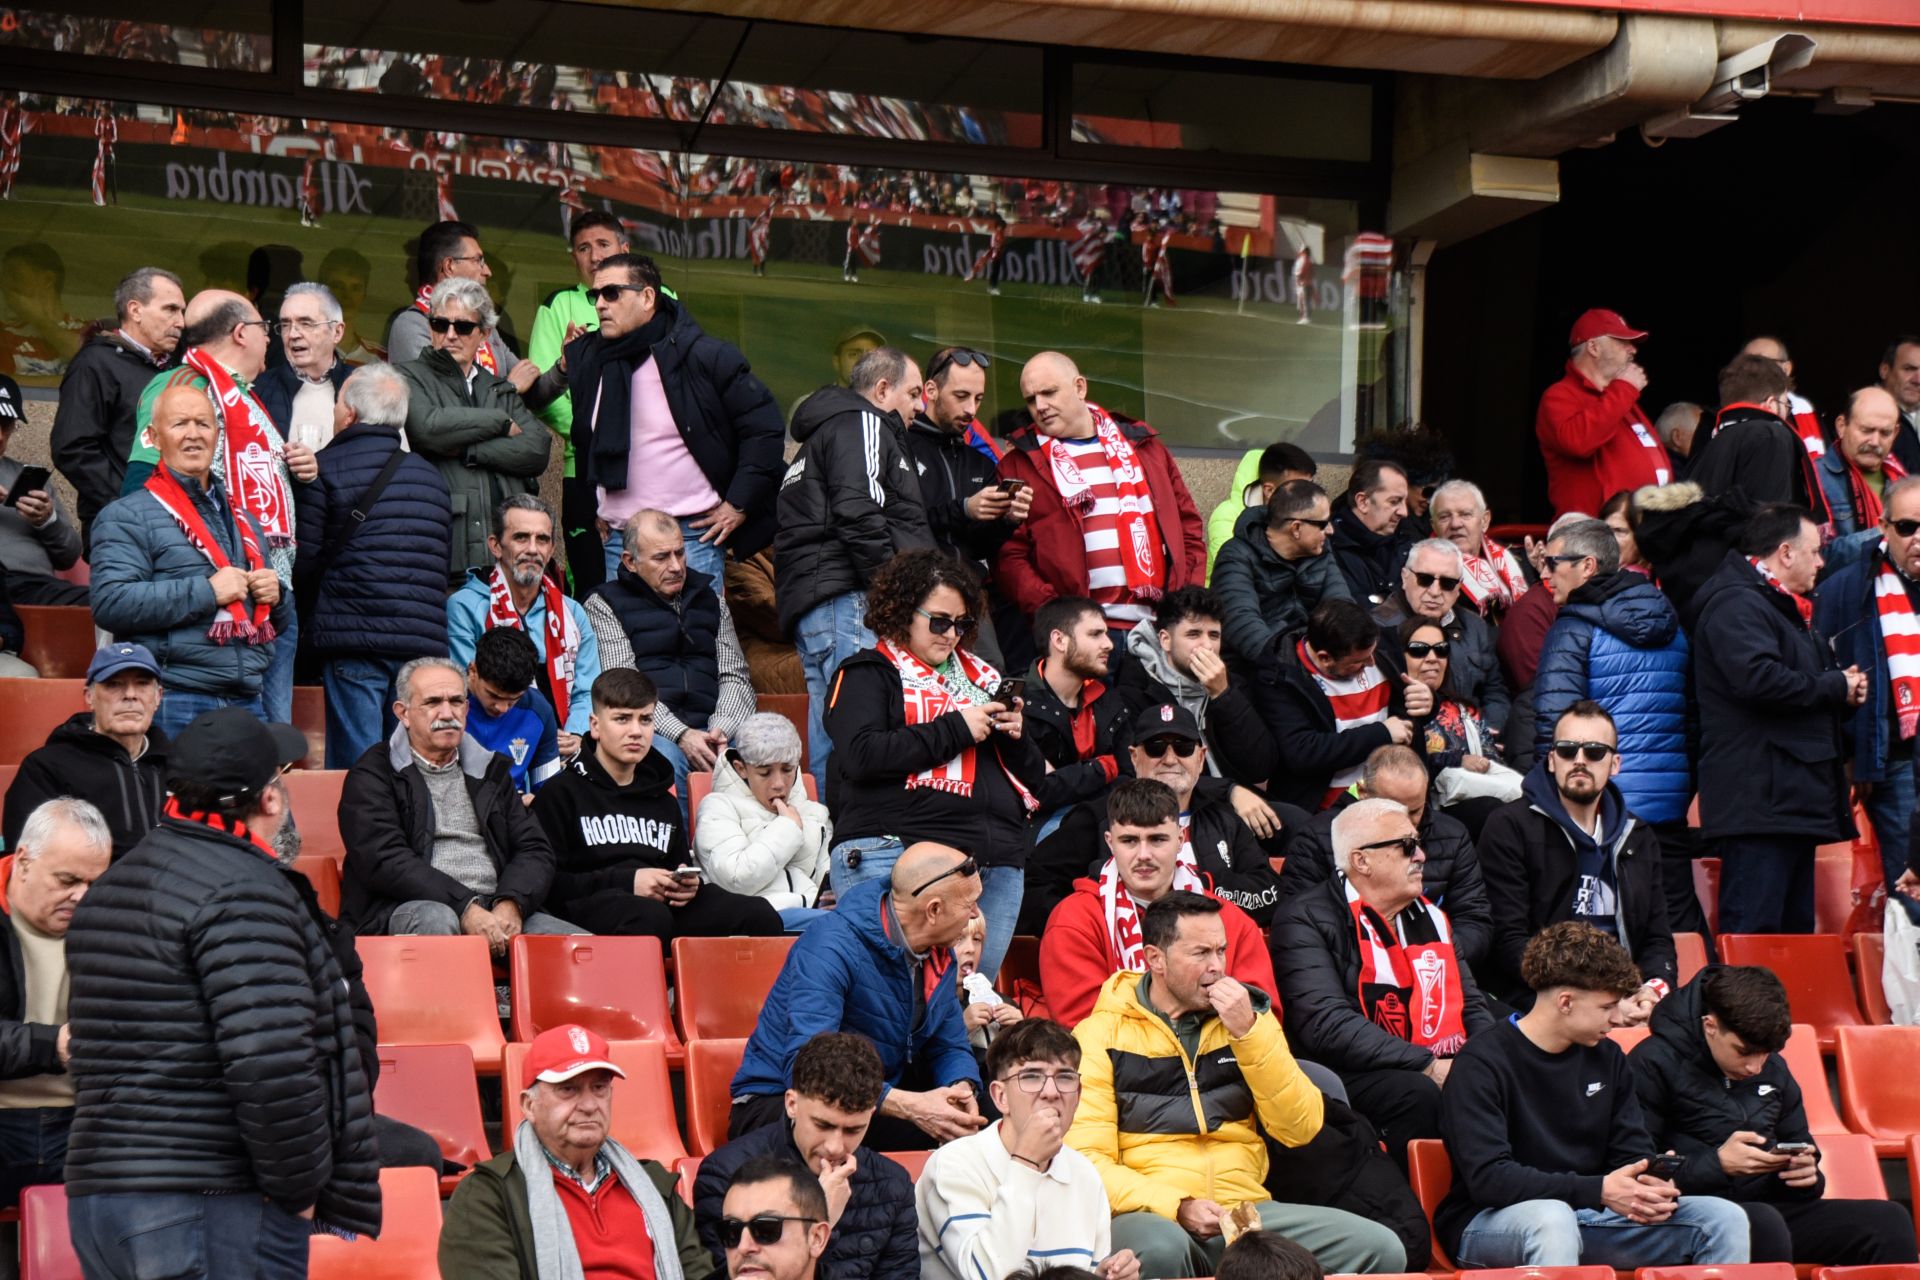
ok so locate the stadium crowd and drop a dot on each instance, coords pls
(1342, 825)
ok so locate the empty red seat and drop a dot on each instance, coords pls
(1877, 1096)
(1888, 1271)
(59, 639)
(316, 810)
(643, 1120)
(435, 991)
(711, 1066)
(1690, 955)
(1628, 1037)
(1740, 1271)
(1852, 1167)
(794, 707)
(1431, 1174)
(1706, 882)
(310, 718)
(323, 873)
(33, 709)
(722, 982)
(409, 1242)
(1019, 978)
(1547, 1273)
(46, 1246)
(1802, 1056)
(1813, 969)
(432, 1087)
(1869, 966)
(914, 1162)
(688, 1173)
(1833, 886)
(615, 986)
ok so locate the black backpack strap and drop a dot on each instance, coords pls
(357, 513)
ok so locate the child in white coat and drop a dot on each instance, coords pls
(757, 833)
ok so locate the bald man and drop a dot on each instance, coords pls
(863, 969)
(224, 348)
(1111, 518)
(1855, 473)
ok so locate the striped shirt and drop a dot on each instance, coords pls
(1106, 576)
(1360, 700)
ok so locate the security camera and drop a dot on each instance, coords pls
(1748, 75)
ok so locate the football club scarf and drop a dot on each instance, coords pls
(1900, 635)
(1409, 976)
(230, 621)
(561, 635)
(1364, 699)
(1801, 603)
(1494, 575)
(1127, 951)
(253, 471)
(1140, 557)
(483, 356)
(927, 697)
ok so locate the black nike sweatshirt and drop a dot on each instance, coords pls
(602, 832)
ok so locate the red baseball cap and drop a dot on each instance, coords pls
(1601, 323)
(560, 1053)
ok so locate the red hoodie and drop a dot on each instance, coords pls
(1596, 443)
(1076, 956)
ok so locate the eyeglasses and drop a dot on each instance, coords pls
(284, 327)
(264, 324)
(465, 257)
(1036, 1080)
(1424, 580)
(1421, 648)
(610, 293)
(1905, 528)
(1406, 845)
(940, 623)
(1157, 747)
(1591, 752)
(1322, 525)
(767, 1228)
(950, 356)
(964, 870)
(1554, 560)
(465, 328)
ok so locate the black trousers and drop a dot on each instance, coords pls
(1840, 1233)
(40, 588)
(1679, 846)
(712, 912)
(1766, 884)
(1403, 1105)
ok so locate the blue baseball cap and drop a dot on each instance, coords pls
(115, 658)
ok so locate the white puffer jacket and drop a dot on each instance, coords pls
(749, 849)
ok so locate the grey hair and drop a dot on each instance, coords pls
(1905, 484)
(377, 394)
(522, 502)
(460, 291)
(1351, 821)
(137, 286)
(1467, 487)
(767, 737)
(1439, 546)
(1674, 415)
(641, 519)
(62, 810)
(1565, 521)
(1591, 538)
(329, 305)
(403, 683)
(882, 364)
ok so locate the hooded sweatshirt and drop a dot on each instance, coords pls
(90, 766)
(747, 848)
(603, 832)
(1143, 642)
(1596, 890)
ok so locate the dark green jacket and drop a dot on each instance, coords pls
(488, 1232)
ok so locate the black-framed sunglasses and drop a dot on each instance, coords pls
(767, 1228)
(1322, 525)
(1421, 648)
(1551, 561)
(1591, 752)
(1034, 1080)
(1905, 528)
(610, 293)
(940, 623)
(1425, 580)
(1406, 845)
(1157, 747)
(441, 324)
(965, 869)
(947, 357)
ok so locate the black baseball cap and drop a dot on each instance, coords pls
(1166, 720)
(233, 751)
(13, 407)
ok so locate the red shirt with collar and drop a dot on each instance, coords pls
(609, 1230)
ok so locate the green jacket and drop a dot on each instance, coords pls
(488, 1231)
(1224, 517)
(463, 432)
(563, 307)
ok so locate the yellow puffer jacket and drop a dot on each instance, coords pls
(1162, 1130)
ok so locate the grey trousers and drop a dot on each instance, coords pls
(436, 919)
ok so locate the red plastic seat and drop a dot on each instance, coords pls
(46, 1245)
(1813, 969)
(711, 1066)
(1690, 955)
(1876, 1084)
(643, 1120)
(722, 982)
(1852, 1167)
(1706, 884)
(1547, 1273)
(1802, 1056)
(1887, 1271)
(59, 640)
(310, 718)
(1739, 1271)
(33, 709)
(1431, 1174)
(1869, 964)
(435, 991)
(615, 986)
(324, 874)
(794, 707)
(409, 1241)
(1628, 1038)
(1833, 886)
(1019, 976)
(687, 1172)
(700, 785)
(432, 1087)
(914, 1162)
(316, 811)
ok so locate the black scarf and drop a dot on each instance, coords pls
(600, 377)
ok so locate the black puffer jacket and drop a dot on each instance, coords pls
(878, 1235)
(1369, 561)
(214, 1046)
(849, 503)
(76, 761)
(93, 427)
(1050, 724)
(1310, 749)
(1316, 957)
(951, 471)
(1691, 1107)
(1452, 880)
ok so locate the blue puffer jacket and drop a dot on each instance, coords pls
(849, 972)
(150, 587)
(384, 594)
(1618, 641)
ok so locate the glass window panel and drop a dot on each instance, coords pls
(225, 35)
(1248, 113)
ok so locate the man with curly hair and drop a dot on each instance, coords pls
(1552, 1165)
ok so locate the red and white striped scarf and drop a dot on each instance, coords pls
(1140, 557)
(1126, 950)
(230, 621)
(1364, 699)
(483, 356)
(927, 697)
(1494, 574)
(1900, 634)
(1409, 975)
(561, 635)
(253, 450)
(1806, 425)
(1801, 603)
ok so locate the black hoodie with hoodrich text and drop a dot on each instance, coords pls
(603, 832)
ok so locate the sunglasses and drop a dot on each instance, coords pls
(441, 324)
(940, 623)
(1424, 580)
(965, 869)
(611, 292)
(1905, 528)
(1554, 560)
(767, 1228)
(1036, 1080)
(1406, 845)
(1421, 648)
(1591, 752)
(1322, 525)
(1157, 747)
(950, 356)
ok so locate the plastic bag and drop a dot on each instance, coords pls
(1900, 975)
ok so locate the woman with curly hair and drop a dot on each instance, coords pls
(922, 748)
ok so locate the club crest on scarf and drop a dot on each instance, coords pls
(1409, 984)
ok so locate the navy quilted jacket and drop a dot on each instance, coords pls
(384, 594)
(1618, 641)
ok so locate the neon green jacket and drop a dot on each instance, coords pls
(1219, 524)
(562, 307)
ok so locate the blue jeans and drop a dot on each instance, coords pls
(133, 1235)
(1703, 1231)
(826, 636)
(33, 1149)
(276, 687)
(178, 707)
(872, 859)
(799, 919)
(1001, 889)
(359, 706)
(709, 558)
(673, 755)
(1890, 812)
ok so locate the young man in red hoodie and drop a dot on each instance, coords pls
(1594, 435)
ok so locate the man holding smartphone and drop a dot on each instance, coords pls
(36, 536)
(1717, 1093)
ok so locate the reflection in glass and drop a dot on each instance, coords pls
(228, 36)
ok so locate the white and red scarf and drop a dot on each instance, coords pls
(1409, 976)
(1365, 699)
(482, 357)
(254, 479)
(1493, 575)
(1900, 635)
(927, 697)
(562, 636)
(1140, 557)
(230, 621)
(1126, 949)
